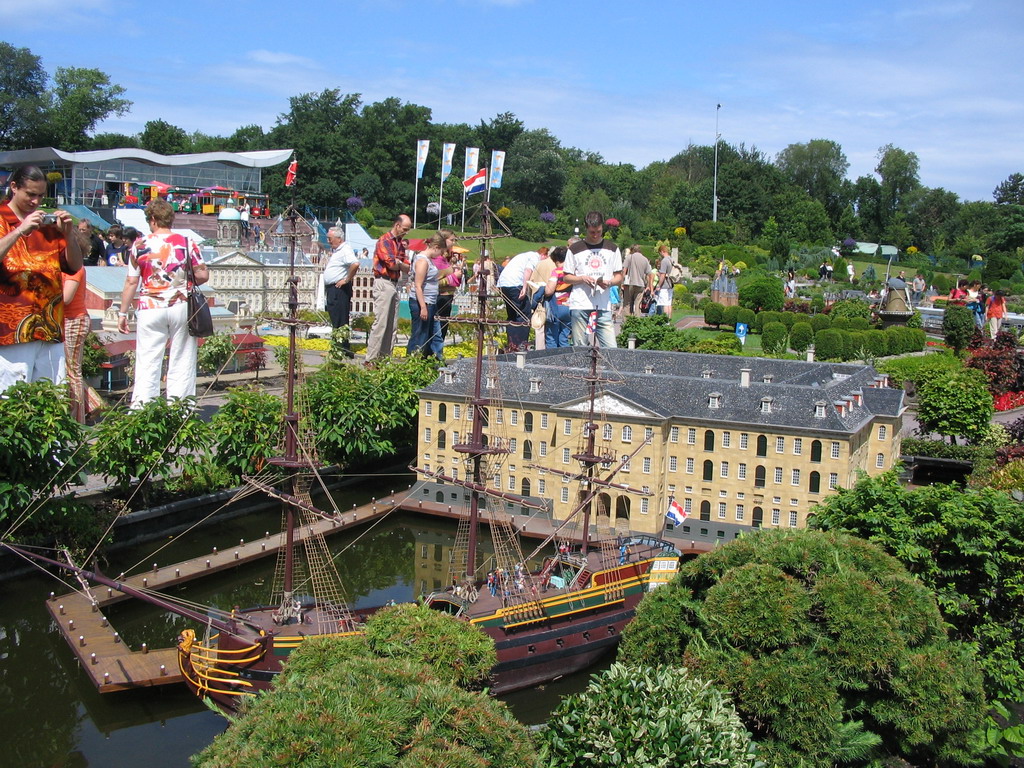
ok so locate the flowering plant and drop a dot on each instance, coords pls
(611, 222)
(679, 231)
(354, 203)
(1008, 401)
(548, 217)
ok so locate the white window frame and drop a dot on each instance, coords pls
(778, 475)
(689, 465)
(723, 469)
(835, 450)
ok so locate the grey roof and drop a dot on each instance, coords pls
(110, 280)
(47, 155)
(676, 387)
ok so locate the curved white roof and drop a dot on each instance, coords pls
(45, 155)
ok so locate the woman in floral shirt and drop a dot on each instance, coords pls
(156, 273)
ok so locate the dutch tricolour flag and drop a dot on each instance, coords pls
(476, 182)
(676, 514)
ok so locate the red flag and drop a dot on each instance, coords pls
(293, 170)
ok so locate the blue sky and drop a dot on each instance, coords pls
(634, 80)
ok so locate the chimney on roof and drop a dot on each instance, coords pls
(631, 342)
(744, 377)
(520, 360)
(649, 370)
(810, 354)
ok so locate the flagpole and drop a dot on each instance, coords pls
(440, 197)
(463, 209)
(415, 199)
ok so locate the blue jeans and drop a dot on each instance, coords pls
(556, 330)
(605, 328)
(519, 310)
(422, 330)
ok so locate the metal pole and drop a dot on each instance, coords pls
(714, 193)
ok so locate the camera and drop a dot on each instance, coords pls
(49, 219)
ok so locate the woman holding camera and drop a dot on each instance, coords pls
(35, 248)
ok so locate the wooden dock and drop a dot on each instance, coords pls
(113, 665)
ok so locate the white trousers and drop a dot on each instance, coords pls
(31, 361)
(154, 328)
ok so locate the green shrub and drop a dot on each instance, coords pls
(820, 322)
(877, 343)
(774, 338)
(829, 344)
(747, 316)
(855, 345)
(859, 323)
(958, 327)
(713, 313)
(801, 336)
(730, 315)
(835, 654)
(214, 352)
(841, 323)
(246, 430)
(916, 369)
(684, 722)
(850, 308)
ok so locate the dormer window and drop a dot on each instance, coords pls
(449, 375)
(766, 405)
(706, 373)
(715, 400)
(535, 385)
(767, 378)
(491, 382)
(819, 410)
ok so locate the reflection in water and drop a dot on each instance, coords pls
(51, 715)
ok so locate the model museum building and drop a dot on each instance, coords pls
(739, 442)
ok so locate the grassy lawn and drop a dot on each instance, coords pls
(504, 247)
(751, 347)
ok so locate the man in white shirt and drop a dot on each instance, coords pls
(512, 284)
(339, 273)
(592, 266)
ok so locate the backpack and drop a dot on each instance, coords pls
(675, 272)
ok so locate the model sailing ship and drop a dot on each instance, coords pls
(545, 623)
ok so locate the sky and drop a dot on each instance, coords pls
(635, 81)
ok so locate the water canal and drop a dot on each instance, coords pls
(51, 715)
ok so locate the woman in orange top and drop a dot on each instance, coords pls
(996, 312)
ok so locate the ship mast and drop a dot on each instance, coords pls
(588, 457)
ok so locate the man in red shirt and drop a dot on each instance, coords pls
(389, 262)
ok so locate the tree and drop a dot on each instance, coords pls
(819, 168)
(537, 176)
(23, 96)
(498, 133)
(164, 139)
(338, 701)
(246, 430)
(1010, 191)
(965, 545)
(774, 338)
(834, 653)
(82, 98)
(958, 327)
(685, 722)
(955, 404)
(899, 171)
(762, 293)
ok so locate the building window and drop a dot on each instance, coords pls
(543, 448)
(625, 465)
(497, 481)
(778, 475)
(709, 440)
(756, 517)
(796, 477)
(709, 470)
(762, 445)
(798, 446)
(528, 422)
(691, 436)
(524, 487)
(543, 421)
(528, 450)
(780, 445)
(776, 516)
(723, 470)
(647, 465)
(819, 410)
(542, 486)
(428, 408)
(673, 464)
(880, 461)
(883, 431)
(606, 432)
(705, 510)
(442, 441)
(565, 455)
(815, 484)
(714, 401)
(721, 510)
(565, 495)
(689, 466)
(742, 470)
(816, 451)
(427, 435)
(833, 481)
(744, 441)
(513, 445)
(645, 506)
(688, 506)
(792, 519)
(499, 415)
(759, 475)
(457, 411)
(511, 483)
(766, 405)
(673, 435)
(739, 513)
(566, 426)
(835, 450)
(513, 418)
(648, 433)
(727, 439)
(627, 434)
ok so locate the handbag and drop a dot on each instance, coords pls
(200, 321)
(539, 317)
